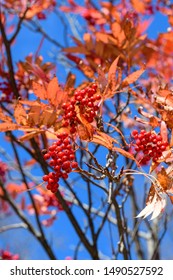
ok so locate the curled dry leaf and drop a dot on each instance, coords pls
(4, 117)
(85, 130)
(29, 136)
(155, 207)
(103, 139)
(164, 131)
(125, 154)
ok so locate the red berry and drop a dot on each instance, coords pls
(74, 164)
(45, 178)
(71, 157)
(46, 156)
(94, 86)
(64, 175)
(64, 158)
(66, 165)
(134, 133)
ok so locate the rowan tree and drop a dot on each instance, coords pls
(86, 133)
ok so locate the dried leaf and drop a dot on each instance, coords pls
(112, 69)
(55, 94)
(164, 131)
(139, 6)
(7, 126)
(164, 180)
(155, 206)
(20, 114)
(88, 41)
(132, 77)
(125, 154)
(103, 139)
(70, 82)
(39, 90)
(48, 117)
(86, 69)
(29, 136)
(118, 33)
(4, 117)
(88, 129)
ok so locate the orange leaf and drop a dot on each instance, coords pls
(139, 6)
(164, 180)
(133, 77)
(88, 130)
(70, 82)
(29, 136)
(126, 154)
(86, 69)
(118, 33)
(20, 114)
(103, 139)
(7, 126)
(4, 117)
(48, 117)
(39, 90)
(112, 70)
(55, 94)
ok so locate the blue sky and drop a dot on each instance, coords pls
(28, 42)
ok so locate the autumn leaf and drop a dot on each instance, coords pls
(48, 117)
(7, 126)
(155, 207)
(132, 77)
(164, 180)
(88, 41)
(4, 117)
(55, 94)
(86, 69)
(39, 90)
(70, 83)
(85, 130)
(29, 136)
(103, 139)
(125, 154)
(118, 33)
(112, 74)
(139, 6)
(20, 114)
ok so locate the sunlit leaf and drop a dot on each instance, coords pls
(20, 114)
(7, 126)
(39, 90)
(133, 77)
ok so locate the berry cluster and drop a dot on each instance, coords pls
(6, 90)
(6, 255)
(51, 200)
(61, 155)
(150, 144)
(3, 170)
(86, 100)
